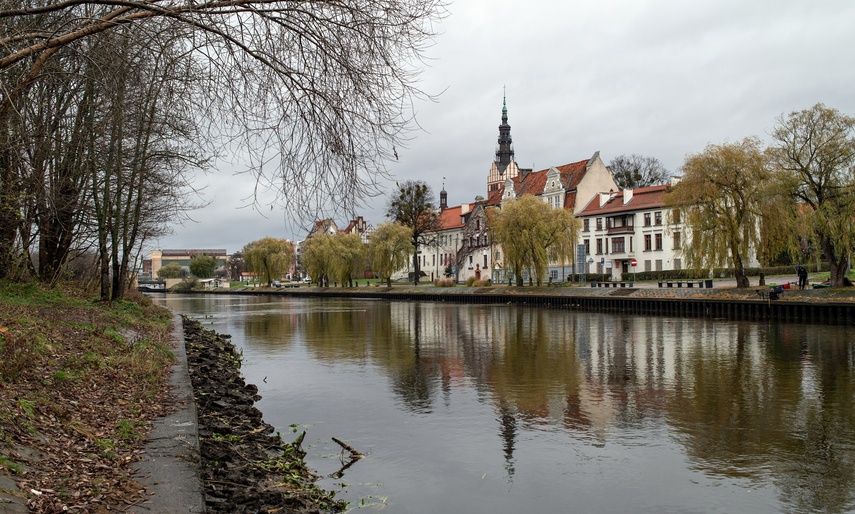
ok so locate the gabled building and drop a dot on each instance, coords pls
(568, 186)
(361, 227)
(460, 247)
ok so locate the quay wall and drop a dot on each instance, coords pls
(823, 312)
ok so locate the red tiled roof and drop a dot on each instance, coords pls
(451, 217)
(642, 198)
(534, 182)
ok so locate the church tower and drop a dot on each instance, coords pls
(505, 150)
(503, 166)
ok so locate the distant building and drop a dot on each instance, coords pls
(160, 258)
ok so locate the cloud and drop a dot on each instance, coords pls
(661, 78)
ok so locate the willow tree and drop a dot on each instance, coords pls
(814, 163)
(317, 257)
(389, 247)
(562, 235)
(526, 228)
(269, 258)
(347, 257)
(720, 201)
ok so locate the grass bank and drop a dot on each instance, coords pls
(80, 383)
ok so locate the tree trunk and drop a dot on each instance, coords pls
(836, 266)
(415, 263)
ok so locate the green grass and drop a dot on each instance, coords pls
(10, 465)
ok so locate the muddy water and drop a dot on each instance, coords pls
(505, 409)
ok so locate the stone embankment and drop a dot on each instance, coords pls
(246, 467)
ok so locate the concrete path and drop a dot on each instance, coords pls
(169, 466)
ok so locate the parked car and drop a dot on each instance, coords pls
(307, 280)
(276, 283)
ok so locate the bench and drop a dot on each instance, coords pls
(680, 283)
(613, 284)
(773, 293)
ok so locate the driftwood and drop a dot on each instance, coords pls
(353, 453)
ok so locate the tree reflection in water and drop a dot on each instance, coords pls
(765, 404)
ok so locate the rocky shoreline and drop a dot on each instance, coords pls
(246, 466)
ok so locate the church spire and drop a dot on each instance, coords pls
(505, 150)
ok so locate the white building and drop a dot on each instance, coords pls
(633, 225)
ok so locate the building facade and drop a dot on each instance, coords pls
(631, 226)
(160, 258)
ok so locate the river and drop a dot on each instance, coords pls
(508, 409)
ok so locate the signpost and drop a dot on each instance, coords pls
(634, 264)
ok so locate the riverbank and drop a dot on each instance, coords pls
(723, 289)
(90, 420)
(246, 467)
(80, 382)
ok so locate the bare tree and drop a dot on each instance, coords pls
(318, 93)
(814, 160)
(631, 171)
(413, 207)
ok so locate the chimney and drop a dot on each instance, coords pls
(627, 196)
(604, 198)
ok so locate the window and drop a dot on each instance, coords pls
(658, 264)
(647, 264)
(599, 223)
(599, 246)
(553, 274)
(677, 243)
(646, 219)
(648, 243)
(586, 225)
(678, 264)
(657, 216)
(433, 260)
(617, 245)
(485, 262)
(658, 241)
(477, 224)
(470, 262)
(630, 244)
(676, 215)
(498, 256)
(587, 243)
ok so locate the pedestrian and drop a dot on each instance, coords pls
(803, 277)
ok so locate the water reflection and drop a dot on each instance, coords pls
(748, 403)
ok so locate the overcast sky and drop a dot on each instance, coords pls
(662, 78)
